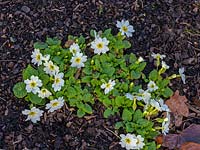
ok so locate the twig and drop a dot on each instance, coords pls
(111, 132)
(2, 99)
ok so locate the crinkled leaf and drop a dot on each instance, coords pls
(107, 113)
(40, 45)
(80, 113)
(126, 115)
(20, 90)
(29, 71)
(153, 75)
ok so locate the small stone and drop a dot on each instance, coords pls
(25, 9)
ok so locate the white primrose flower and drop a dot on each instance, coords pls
(78, 60)
(165, 124)
(129, 96)
(152, 86)
(140, 59)
(125, 28)
(128, 141)
(140, 142)
(163, 106)
(33, 84)
(55, 104)
(74, 48)
(164, 65)
(34, 114)
(144, 95)
(36, 57)
(50, 68)
(108, 86)
(58, 82)
(158, 56)
(100, 45)
(46, 58)
(181, 72)
(44, 93)
(155, 104)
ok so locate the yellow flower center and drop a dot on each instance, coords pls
(57, 80)
(33, 84)
(124, 28)
(74, 51)
(78, 60)
(51, 67)
(128, 141)
(55, 104)
(108, 85)
(38, 57)
(32, 113)
(100, 45)
(138, 141)
(152, 86)
(43, 91)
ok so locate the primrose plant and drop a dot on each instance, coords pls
(81, 73)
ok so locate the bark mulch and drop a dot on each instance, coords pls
(170, 27)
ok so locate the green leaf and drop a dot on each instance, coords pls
(141, 66)
(71, 92)
(118, 125)
(53, 41)
(57, 59)
(20, 90)
(109, 70)
(87, 108)
(35, 99)
(40, 45)
(119, 100)
(129, 127)
(126, 115)
(106, 101)
(126, 44)
(137, 115)
(92, 33)
(107, 33)
(107, 113)
(80, 113)
(81, 40)
(45, 78)
(86, 79)
(28, 72)
(135, 74)
(87, 70)
(153, 75)
(132, 58)
(163, 83)
(167, 92)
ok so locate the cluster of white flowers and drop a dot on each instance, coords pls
(34, 113)
(131, 141)
(78, 58)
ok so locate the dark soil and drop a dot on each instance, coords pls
(170, 27)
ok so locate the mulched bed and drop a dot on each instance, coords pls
(170, 27)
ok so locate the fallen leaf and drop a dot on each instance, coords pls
(178, 107)
(190, 146)
(190, 134)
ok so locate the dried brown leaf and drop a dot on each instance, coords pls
(190, 134)
(177, 105)
(190, 146)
